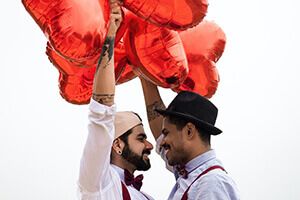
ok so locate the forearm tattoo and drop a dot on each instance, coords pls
(151, 113)
(106, 99)
(107, 52)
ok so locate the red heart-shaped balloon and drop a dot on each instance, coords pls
(76, 82)
(173, 14)
(75, 29)
(203, 51)
(206, 39)
(123, 71)
(203, 77)
(157, 53)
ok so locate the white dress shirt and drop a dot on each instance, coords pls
(215, 185)
(98, 178)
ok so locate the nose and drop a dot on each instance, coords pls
(149, 145)
(162, 143)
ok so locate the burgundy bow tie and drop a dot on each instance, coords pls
(182, 171)
(136, 182)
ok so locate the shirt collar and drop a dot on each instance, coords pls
(119, 170)
(200, 160)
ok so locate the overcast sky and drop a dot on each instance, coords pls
(42, 136)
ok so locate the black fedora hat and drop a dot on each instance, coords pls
(194, 108)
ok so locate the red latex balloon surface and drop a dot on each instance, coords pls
(127, 74)
(202, 52)
(123, 71)
(173, 14)
(159, 53)
(206, 39)
(76, 82)
(75, 29)
(203, 77)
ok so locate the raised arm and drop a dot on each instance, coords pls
(153, 101)
(104, 80)
(95, 161)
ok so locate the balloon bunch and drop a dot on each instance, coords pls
(166, 42)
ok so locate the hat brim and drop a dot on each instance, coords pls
(200, 123)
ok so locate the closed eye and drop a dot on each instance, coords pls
(142, 137)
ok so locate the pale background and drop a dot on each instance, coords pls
(42, 135)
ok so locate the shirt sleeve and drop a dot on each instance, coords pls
(95, 161)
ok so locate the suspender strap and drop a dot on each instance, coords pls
(185, 195)
(125, 192)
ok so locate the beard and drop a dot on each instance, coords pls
(176, 155)
(135, 159)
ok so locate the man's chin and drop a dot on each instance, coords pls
(148, 164)
(171, 162)
(145, 167)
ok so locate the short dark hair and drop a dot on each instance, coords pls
(124, 136)
(181, 122)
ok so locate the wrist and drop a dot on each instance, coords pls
(111, 33)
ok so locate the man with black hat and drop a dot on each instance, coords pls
(116, 145)
(183, 132)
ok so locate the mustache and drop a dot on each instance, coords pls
(146, 151)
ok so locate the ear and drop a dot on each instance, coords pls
(118, 146)
(190, 131)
